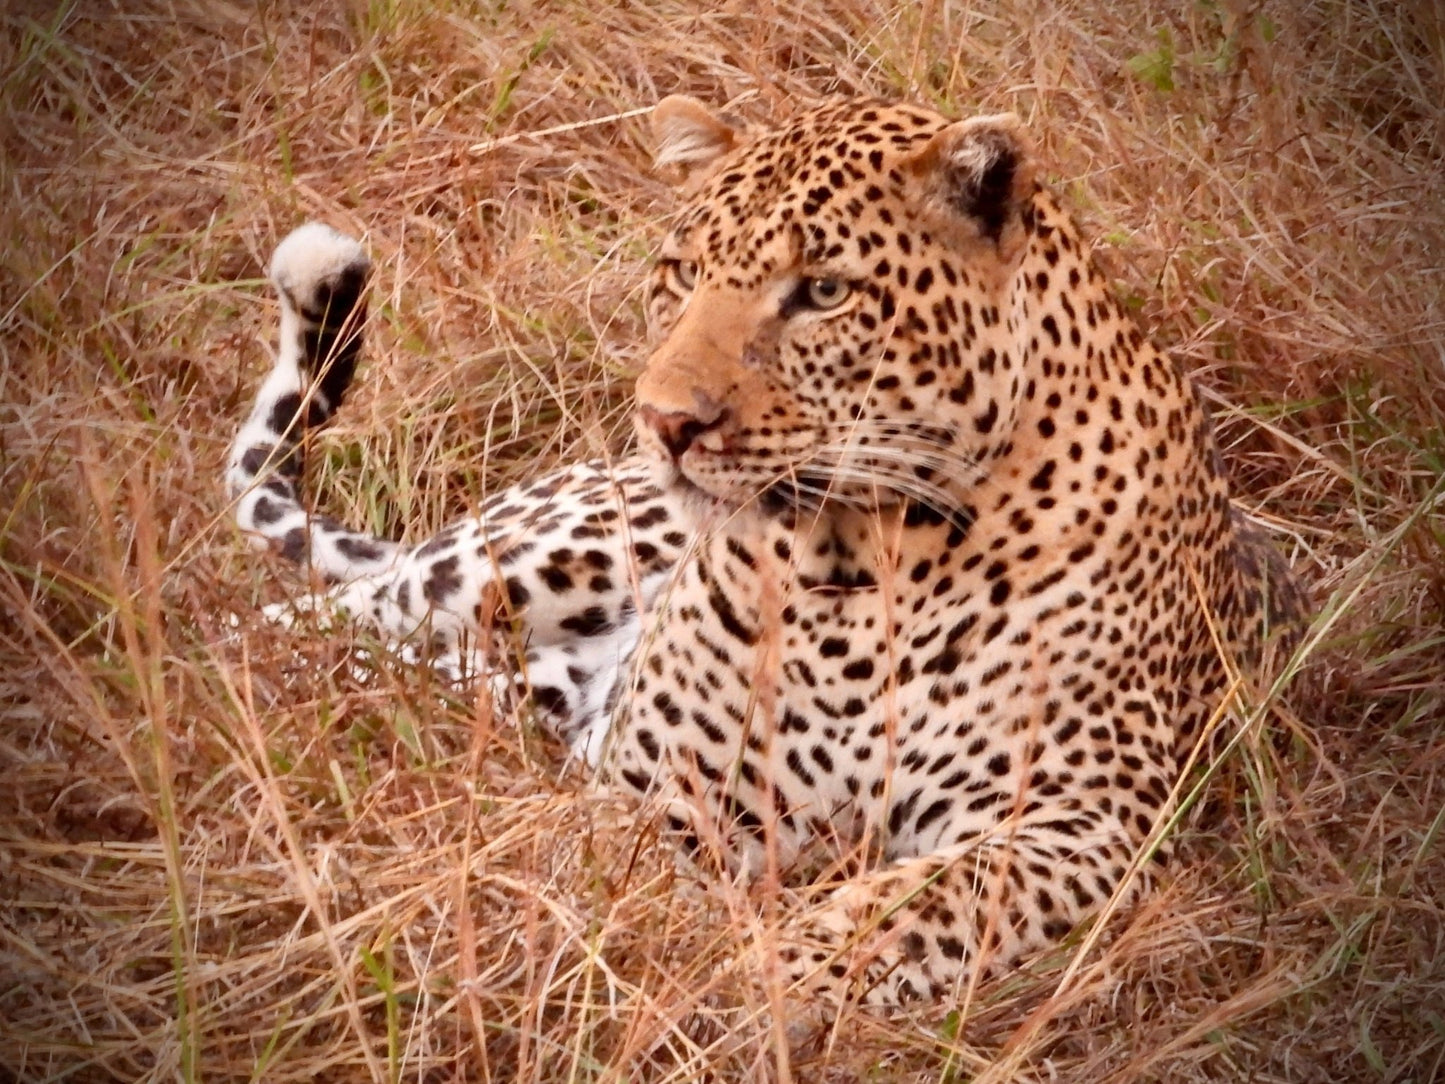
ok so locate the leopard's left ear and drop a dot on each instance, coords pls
(689, 135)
(982, 170)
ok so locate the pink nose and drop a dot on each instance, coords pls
(677, 429)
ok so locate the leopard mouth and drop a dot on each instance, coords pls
(798, 494)
(782, 499)
(815, 495)
(788, 497)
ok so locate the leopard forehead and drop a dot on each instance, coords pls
(818, 178)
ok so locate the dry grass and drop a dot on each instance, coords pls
(220, 858)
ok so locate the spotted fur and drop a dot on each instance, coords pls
(925, 550)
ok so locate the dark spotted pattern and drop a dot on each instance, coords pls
(926, 552)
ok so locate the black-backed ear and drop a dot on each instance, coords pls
(689, 135)
(981, 169)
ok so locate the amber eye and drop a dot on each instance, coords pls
(685, 273)
(826, 293)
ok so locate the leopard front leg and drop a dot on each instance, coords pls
(919, 929)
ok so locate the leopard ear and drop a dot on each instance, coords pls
(983, 169)
(688, 135)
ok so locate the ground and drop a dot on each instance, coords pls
(227, 852)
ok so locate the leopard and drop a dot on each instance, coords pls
(924, 551)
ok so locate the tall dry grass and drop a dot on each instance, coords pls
(226, 855)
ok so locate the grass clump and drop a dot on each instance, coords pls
(226, 855)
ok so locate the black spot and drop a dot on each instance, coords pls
(255, 458)
(284, 412)
(443, 580)
(550, 699)
(939, 807)
(436, 544)
(901, 812)
(984, 422)
(266, 512)
(590, 622)
(1050, 325)
(995, 629)
(331, 351)
(728, 616)
(737, 810)
(517, 593)
(360, 549)
(1056, 928)
(795, 762)
(950, 947)
(670, 711)
(555, 578)
(293, 546)
(652, 517)
(792, 721)
(914, 947)
(922, 515)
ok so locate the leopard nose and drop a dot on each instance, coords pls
(677, 429)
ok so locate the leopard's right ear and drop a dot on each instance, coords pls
(980, 172)
(689, 136)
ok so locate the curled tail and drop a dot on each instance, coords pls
(320, 276)
(570, 561)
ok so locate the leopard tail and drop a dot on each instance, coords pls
(320, 277)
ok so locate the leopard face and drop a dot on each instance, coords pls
(834, 307)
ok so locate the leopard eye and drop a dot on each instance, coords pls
(685, 273)
(823, 294)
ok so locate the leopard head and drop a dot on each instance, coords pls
(833, 306)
